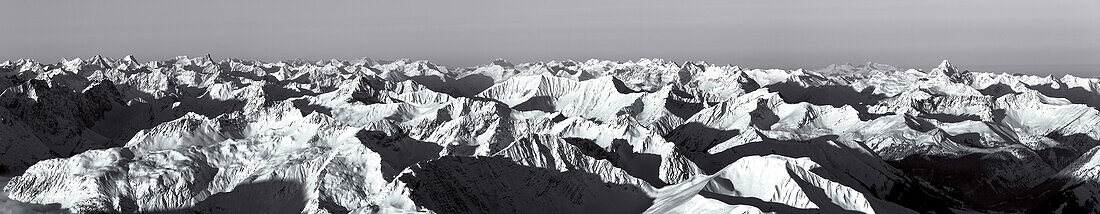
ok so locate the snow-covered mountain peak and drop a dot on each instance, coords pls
(502, 63)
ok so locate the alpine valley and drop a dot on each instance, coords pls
(198, 135)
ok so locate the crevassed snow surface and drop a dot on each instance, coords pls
(371, 136)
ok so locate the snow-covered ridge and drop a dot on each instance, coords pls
(648, 135)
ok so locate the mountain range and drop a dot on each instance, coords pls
(198, 135)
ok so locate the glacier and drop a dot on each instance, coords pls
(199, 135)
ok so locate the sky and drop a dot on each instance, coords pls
(1015, 36)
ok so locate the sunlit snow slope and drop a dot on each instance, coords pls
(368, 136)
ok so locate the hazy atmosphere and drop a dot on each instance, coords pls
(1036, 37)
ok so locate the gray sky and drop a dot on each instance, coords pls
(1059, 36)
